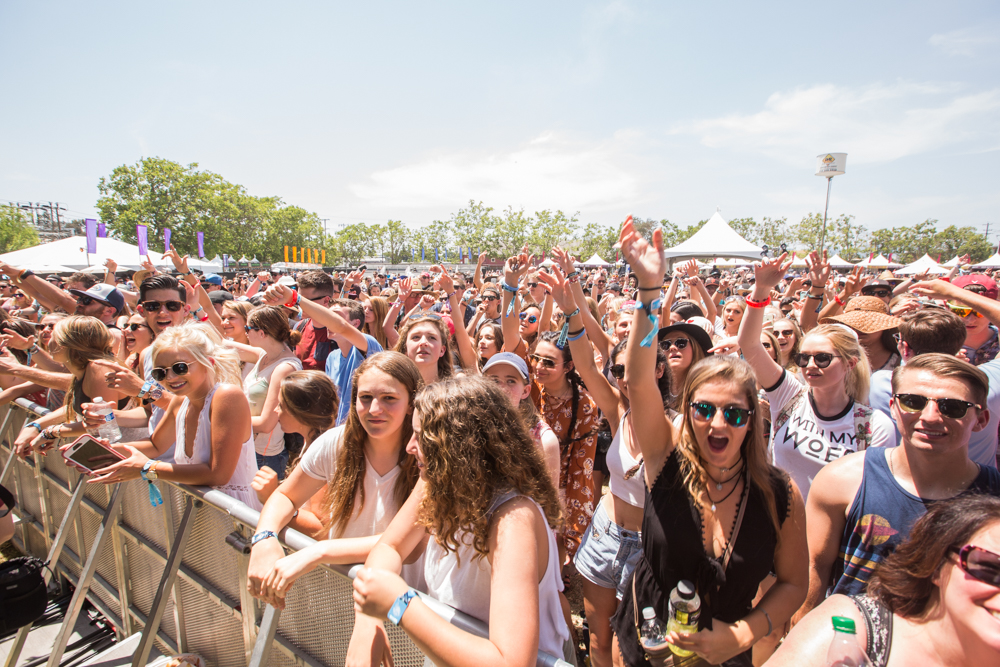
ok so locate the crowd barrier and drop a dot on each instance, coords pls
(177, 574)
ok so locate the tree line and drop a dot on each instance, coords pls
(165, 194)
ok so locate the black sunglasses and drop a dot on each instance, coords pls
(783, 333)
(155, 306)
(544, 362)
(822, 359)
(532, 285)
(952, 408)
(618, 371)
(160, 374)
(881, 293)
(679, 343)
(491, 298)
(734, 416)
(248, 328)
(531, 318)
(135, 326)
(980, 564)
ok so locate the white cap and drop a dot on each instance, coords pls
(648, 613)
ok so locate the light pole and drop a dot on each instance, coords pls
(829, 165)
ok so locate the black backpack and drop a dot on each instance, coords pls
(23, 594)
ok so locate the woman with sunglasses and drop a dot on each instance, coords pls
(715, 512)
(208, 417)
(789, 337)
(611, 547)
(824, 417)
(934, 601)
(684, 344)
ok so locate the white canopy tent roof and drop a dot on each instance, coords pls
(715, 239)
(798, 262)
(595, 260)
(838, 262)
(992, 262)
(72, 252)
(954, 261)
(879, 262)
(923, 264)
(45, 269)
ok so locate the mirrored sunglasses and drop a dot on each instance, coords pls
(733, 415)
(160, 373)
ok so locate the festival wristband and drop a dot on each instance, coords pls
(34, 425)
(296, 298)
(400, 606)
(758, 304)
(650, 308)
(262, 535)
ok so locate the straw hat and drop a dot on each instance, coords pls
(867, 314)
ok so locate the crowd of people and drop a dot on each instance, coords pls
(796, 445)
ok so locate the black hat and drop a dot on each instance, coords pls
(694, 332)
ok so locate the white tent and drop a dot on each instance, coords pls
(992, 262)
(954, 261)
(72, 252)
(715, 239)
(798, 262)
(45, 269)
(923, 264)
(596, 260)
(879, 262)
(838, 262)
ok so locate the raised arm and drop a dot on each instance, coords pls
(405, 286)
(277, 295)
(654, 432)
(510, 304)
(819, 273)
(595, 331)
(939, 289)
(668, 299)
(45, 292)
(465, 350)
(768, 273)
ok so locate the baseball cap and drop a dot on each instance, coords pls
(286, 280)
(985, 281)
(221, 296)
(105, 293)
(510, 359)
(614, 287)
(212, 279)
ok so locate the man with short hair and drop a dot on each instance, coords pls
(491, 309)
(212, 282)
(315, 345)
(861, 506)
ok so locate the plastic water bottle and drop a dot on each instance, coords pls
(844, 650)
(685, 608)
(109, 427)
(652, 634)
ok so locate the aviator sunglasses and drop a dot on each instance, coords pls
(734, 416)
(952, 408)
(822, 359)
(160, 374)
(980, 564)
(544, 362)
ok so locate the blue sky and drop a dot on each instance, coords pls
(371, 111)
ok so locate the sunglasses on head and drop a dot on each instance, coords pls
(156, 306)
(952, 408)
(980, 564)
(135, 326)
(733, 415)
(160, 373)
(419, 316)
(963, 311)
(822, 359)
(531, 318)
(544, 362)
(735, 297)
(679, 343)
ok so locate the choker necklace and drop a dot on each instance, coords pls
(718, 484)
(724, 498)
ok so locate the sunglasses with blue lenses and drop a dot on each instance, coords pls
(531, 318)
(734, 415)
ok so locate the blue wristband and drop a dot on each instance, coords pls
(262, 535)
(400, 606)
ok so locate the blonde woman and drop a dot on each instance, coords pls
(824, 417)
(208, 418)
(235, 315)
(376, 309)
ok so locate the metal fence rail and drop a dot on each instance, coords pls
(177, 573)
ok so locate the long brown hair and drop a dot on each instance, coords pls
(444, 366)
(475, 447)
(85, 339)
(311, 398)
(760, 474)
(380, 307)
(904, 582)
(338, 503)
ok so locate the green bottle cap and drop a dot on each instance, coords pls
(844, 624)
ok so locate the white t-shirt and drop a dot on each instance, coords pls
(807, 442)
(320, 462)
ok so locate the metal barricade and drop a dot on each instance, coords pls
(177, 573)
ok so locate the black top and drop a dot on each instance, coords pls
(728, 596)
(79, 398)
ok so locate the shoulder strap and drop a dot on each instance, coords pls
(788, 408)
(878, 623)
(739, 522)
(862, 426)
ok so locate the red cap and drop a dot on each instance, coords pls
(987, 283)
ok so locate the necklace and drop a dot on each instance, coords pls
(723, 499)
(718, 484)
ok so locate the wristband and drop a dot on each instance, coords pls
(836, 298)
(770, 627)
(262, 535)
(148, 471)
(757, 304)
(195, 312)
(400, 606)
(397, 303)
(814, 296)
(564, 333)
(203, 319)
(508, 288)
(34, 425)
(576, 335)
(453, 293)
(295, 299)
(650, 307)
(27, 273)
(146, 386)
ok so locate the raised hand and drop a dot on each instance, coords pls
(180, 263)
(691, 268)
(445, 281)
(16, 341)
(560, 288)
(405, 287)
(645, 258)
(819, 268)
(111, 265)
(277, 295)
(563, 259)
(769, 272)
(148, 265)
(855, 281)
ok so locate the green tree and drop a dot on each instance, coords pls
(16, 231)
(847, 238)
(806, 233)
(549, 229)
(596, 238)
(953, 241)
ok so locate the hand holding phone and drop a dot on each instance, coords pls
(88, 454)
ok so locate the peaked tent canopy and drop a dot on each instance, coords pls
(879, 262)
(992, 262)
(954, 261)
(715, 239)
(923, 264)
(838, 262)
(72, 252)
(595, 261)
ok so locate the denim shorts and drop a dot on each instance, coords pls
(276, 462)
(608, 553)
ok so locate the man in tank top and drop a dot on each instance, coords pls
(862, 506)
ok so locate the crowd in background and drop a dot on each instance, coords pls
(798, 445)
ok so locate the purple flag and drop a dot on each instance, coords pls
(102, 230)
(166, 239)
(91, 235)
(140, 233)
(201, 244)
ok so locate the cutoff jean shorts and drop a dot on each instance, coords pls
(608, 553)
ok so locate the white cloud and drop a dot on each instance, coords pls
(874, 123)
(962, 42)
(548, 172)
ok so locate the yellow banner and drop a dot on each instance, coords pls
(324, 258)
(295, 254)
(286, 253)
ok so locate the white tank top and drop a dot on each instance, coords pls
(466, 586)
(633, 489)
